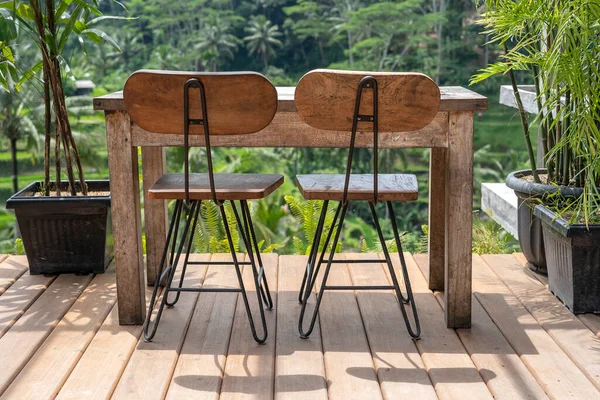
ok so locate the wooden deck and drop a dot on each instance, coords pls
(59, 337)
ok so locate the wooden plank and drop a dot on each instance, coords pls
(448, 364)
(250, 367)
(553, 369)
(391, 187)
(501, 368)
(299, 366)
(199, 370)
(459, 200)
(52, 364)
(574, 338)
(148, 373)
(236, 102)
(155, 211)
(11, 269)
(3, 257)
(437, 218)
(19, 297)
(348, 363)
(288, 130)
(326, 99)
(127, 227)
(456, 98)
(591, 321)
(21, 342)
(98, 371)
(227, 186)
(452, 98)
(399, 367)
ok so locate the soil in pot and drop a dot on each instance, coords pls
(528, 225)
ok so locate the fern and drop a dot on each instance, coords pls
(364, 248)
(270, 248)
(300, 247)
(307, 213)
(19, 248)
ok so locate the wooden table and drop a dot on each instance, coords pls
(449, 135)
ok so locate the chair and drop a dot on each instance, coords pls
(351, 102)
(205, 104)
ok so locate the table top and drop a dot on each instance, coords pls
(453, 98)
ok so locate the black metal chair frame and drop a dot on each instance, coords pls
(174, 246)
(313, 267)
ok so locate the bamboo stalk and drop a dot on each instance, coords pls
(57, 158)
(47, 135)
(524, 121)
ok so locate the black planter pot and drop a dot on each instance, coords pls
(70, 234)
(573, 259)
(529, 226)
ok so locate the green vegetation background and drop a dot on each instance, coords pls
(284, 39)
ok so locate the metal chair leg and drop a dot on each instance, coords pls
(317, 268)
(167, 273)
(314, 249)
(251, 235)
(193, 213)
(259, 339)
(414, 332)
(305, 334)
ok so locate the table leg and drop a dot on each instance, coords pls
(459, 218)
(126, 218)
(437, 217)
(155, 211)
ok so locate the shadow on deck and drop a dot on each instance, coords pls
(59, 337)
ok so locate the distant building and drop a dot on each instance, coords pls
(84, 87)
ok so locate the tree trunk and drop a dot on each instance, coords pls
(350, 55)
(322, 53)
(440, 52)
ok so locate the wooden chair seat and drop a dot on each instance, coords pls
(227, 186)
(391, 187)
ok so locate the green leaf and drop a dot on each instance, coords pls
(8, 54)
(66, 68)
(79, 26)
(108, 17)
(29, 74)
(88, 6)
(68, 28)
(102, 36)
(7, 4)
(64, 4)
(25, 12)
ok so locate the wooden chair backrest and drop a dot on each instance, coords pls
(237, 102)
(326, 99)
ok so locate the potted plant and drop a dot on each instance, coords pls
(557, 43)
(65, 225)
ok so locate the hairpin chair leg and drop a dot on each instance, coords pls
(167, 273)
(305, 334)
(314, 249)
(414, 331)
(264, 290)
(314, 272)
(194, 211)
(245, 238)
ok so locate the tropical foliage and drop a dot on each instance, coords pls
(283, 39)
(557, 43)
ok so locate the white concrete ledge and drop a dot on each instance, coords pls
(507, 97)
(500, 203)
